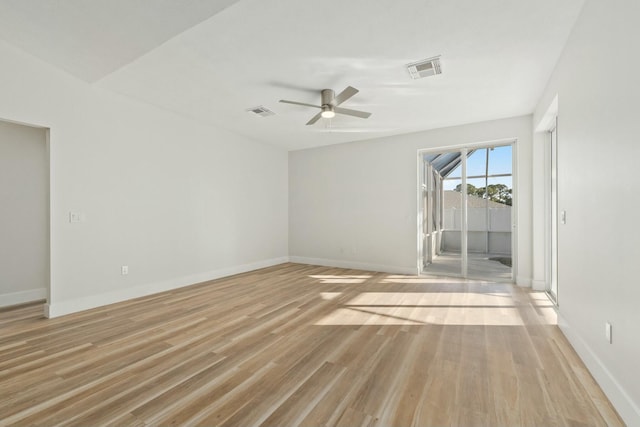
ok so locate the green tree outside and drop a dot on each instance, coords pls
(498, 193)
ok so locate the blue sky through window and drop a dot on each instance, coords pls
(499, 163)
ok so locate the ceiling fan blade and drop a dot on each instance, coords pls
(300, 103)
(344, 95)
(314, 118)
(350, 112)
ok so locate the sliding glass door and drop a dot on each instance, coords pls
(442, 220)
(553, 193)
(467, 212)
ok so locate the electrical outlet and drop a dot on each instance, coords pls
(125, 270)
(607, 332)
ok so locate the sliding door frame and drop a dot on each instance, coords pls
(421, 186)
(552, 217)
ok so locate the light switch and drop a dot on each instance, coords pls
(563, 217)
(75, 217)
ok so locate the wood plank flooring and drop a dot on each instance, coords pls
(301, 345)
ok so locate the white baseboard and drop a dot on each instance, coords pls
(626, 407)
(22, 297)
(354, 265)
(56, 309)
(524, 282)
(539, 285)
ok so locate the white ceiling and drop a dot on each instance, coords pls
(213, 59)
(92, 38)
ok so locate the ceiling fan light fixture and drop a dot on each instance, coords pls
(327, 113)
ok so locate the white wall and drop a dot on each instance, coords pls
(596, 81)
(355, 204)
(175, 200)
(24, 214)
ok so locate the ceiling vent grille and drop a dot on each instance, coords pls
(261, 111)
(425, 68)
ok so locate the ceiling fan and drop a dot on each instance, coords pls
(330, 104)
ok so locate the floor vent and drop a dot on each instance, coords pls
(261, 111)
(425, 68)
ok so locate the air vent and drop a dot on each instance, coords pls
(425, 68)
(261, 111)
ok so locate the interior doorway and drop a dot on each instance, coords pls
(466, 210)
(24, 214)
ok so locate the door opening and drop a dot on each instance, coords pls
(24, 214)
(467, 212)
(552, 281)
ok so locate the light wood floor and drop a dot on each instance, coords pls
(301, 345)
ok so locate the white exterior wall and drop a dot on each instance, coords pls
(24, 214)
(596, 82)
(499, 219)
(355, 204)
(177, 201)
(499, 230)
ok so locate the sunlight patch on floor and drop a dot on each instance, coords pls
(419, 280)
(440, 308)
(431, 299)
(346, 279)
(329, 295)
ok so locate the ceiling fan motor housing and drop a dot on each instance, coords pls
(328, 96)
